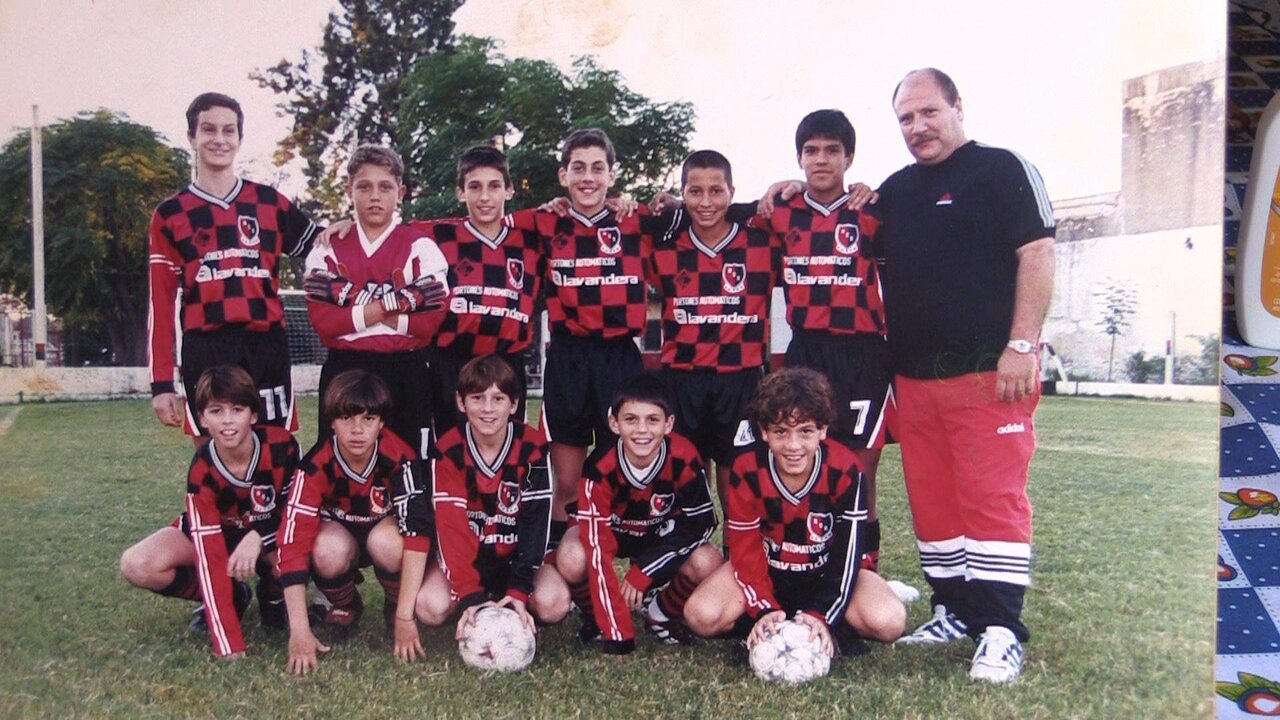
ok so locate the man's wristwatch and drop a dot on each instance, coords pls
(1022, 347)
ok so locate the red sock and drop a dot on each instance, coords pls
(339, 591)
(390, 585)
(671, 601)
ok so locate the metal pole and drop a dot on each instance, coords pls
(39, 314)
(1171, 348)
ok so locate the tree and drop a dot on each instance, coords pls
(1118, 305)
(1201, 368)
(369, 47)
(103, 176)
(472, 94)
(1141, 368)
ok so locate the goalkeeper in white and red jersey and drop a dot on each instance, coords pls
(235, 494)
(492, 502)
(643, 497)
(355, 500)
(375, 296)
(795, 528)
(218, 244)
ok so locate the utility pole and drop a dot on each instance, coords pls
(39, 313)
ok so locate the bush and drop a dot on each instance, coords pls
(1141, 368)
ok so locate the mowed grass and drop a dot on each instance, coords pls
(1122, 609)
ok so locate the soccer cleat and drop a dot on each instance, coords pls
(241, 594)
(671, 632)
(945, 627)
(999, 656)
(342, 621)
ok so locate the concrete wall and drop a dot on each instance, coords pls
(87, 383)
(1172, 148)
(1195, 393)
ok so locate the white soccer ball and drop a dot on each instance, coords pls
(498, 640)
(789, 656)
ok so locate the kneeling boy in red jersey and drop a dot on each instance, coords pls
(339, 516)
(235, 490)
(492, 501)
(795, 528)
(644, 497)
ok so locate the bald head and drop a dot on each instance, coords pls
(930, 115)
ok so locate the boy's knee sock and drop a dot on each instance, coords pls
(671, 601)
(390, 584)
(871, 550)
(183, 585)
(339, 591)
(581, 595)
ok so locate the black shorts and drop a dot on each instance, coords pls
(711, 410)
(359, 532)
(581, 376)
(445, 366)
(857, 366)
(792, 590)
(264, 355)
(408, 377)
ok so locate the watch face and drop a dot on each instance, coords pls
(1021, 346)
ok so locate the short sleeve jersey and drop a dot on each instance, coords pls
(377, 266)
(218, 499)
(950, 238)
(494, 283)
(325, 486)
(492, 518)
(779, 538)
(595, 270)
(222, 254)
(828, 270)
(715, 298)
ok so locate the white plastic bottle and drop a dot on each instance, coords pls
(1258, 252)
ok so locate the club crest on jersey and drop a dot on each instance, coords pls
(508, 497)
(377, 500)
(263, 498)
(734, 276)
(610, 240)
(847, 235)
(515, 273)
(820, 525)
(660, 503)
(248, 230)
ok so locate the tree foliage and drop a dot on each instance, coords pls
(103, 176)
(349, 90)
(472, 94)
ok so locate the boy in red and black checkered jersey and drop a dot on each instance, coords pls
(235, 496)
(492, 501)
(832, 289)
(716, 278)
(495, 278)
(596, 291)
(643, 497)
(356, 500)
(220, 242)
(795, 528)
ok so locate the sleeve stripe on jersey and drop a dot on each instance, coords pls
(1037, 186)
(749, 593)
(739, 525)
(311, 230)
(537, 495)
(221, 644)
(597, 563)
(851, 563)
(698, 510)
(158, 259)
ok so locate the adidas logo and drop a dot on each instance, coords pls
(1011, 428)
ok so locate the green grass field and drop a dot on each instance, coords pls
(1122, 609)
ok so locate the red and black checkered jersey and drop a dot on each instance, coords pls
(807, 537)
(492, 518)
(595, 269)
(715, 298)
(325, 486)
(401, 255)
(222, 253)
(829, 272)
(494, 283)
(217, 499)
(665, 507)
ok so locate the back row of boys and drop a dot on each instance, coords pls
(375, 290)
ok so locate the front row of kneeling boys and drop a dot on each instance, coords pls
(468, 527)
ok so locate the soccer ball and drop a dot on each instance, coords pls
(498, 640)
(789, 656)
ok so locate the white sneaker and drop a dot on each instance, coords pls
(906, 593)
(999, 656)
(945, 627)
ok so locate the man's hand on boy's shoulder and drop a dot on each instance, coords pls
(861, 195)
(326, 237)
